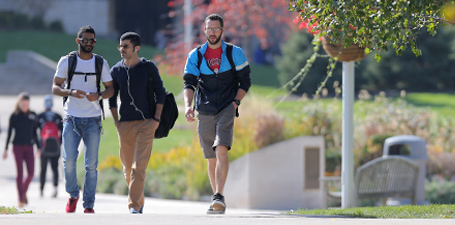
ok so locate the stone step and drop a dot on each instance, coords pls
(15, 79)
(26, 71)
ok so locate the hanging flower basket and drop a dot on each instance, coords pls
(344, 54)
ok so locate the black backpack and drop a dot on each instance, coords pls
(170, 111)
(72, 62)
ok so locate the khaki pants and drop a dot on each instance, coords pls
(136, 139)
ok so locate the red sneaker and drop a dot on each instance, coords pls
(89, 210)
(71, 205)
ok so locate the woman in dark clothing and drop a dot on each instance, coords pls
(23, 122)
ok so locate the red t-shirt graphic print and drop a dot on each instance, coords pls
(213, 57)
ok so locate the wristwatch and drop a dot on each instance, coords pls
(237, 102)
(100, 96)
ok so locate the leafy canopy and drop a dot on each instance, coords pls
(374, 23)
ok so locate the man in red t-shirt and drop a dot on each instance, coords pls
(221, 88)
(213, 57)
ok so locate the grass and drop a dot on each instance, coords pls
(53, 45)
(388, 212)
(261, 75)
(442, 103)
(12, 210)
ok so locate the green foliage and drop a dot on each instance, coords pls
(298, 57)
(370, 23)
(303, 61)
(440, 102)
(54, 45)
(111, 181)
(56, 26)
(177, 173)
(387, 212)
(433, 71)
(440, 191)
(332, 161)
(18, 21)
(264, 75)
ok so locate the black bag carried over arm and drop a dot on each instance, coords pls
(170, 111)
(169, 115)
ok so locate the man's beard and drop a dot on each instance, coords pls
(216, 40)
(84, 48)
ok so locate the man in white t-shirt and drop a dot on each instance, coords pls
(82, 120)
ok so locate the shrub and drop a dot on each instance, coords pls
(179, 173)
(269, 129)
(316, 118)
(440, 191)
(332, 162)
(56, 26)
(37, 23)
(109, 179)
(18, 21)
(441, 163)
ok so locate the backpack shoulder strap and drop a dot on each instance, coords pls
(98, 71)
(199, 57)
(229, 48)
(72, 62)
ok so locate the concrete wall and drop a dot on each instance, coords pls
(274, 177)
(75, 14)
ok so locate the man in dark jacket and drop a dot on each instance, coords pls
(220, 88)
(140, 113)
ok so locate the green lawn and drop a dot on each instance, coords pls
(442, 103)
(388, 212)
(54, 45)
(109, 140)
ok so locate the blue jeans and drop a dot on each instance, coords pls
(89, 130)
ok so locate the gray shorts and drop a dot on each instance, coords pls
(214, 130)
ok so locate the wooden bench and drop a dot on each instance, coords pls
(391, 177)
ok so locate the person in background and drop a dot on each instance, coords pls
(23, 122)
(219, 90)
(82, 119)
(50, 125)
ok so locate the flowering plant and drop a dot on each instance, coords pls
(372, 23)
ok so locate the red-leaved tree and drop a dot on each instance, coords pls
(266, 20)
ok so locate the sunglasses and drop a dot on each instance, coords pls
(85, 41)
(215, 29)
(123, 46)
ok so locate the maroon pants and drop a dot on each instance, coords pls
(24, 153)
